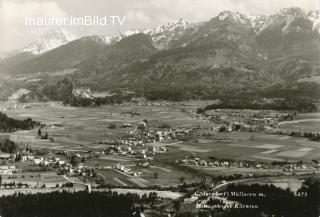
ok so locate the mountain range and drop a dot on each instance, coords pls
(229, 51)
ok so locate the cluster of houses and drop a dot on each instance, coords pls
(79, 170)
(8, 170)
(149, 152)
(124, 142)
(233, 120)
(247, 114)
(61, 165)
(141, 144)
(196, 161)
(127, 170)
(254, 126)
(12, 105)
(143, 102)
(42, 161)
(180, 134)
(145, 152)
(31, 159)
(285, 166)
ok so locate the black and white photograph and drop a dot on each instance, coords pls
(159, 108)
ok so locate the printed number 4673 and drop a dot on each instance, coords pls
(301, 194)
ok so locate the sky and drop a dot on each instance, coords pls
(139, 14)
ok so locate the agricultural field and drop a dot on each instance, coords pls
(309, 122)
(158, 174)
(247, 146)
(78, 128)
(33, 179)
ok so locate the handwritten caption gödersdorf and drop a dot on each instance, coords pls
(227, 204)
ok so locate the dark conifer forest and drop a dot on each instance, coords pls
(66, 204)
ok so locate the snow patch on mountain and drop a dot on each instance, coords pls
(314, 16)
(49, 40)
(235, 16)
(164, 34)
(161, 35)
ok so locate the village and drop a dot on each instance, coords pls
(140, 150)
(284, 166)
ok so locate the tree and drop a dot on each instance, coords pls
(142, 126)
(155, 175)
(177, 205)
(39, 132)
(152, 197)
(8, 146)
(182, 179)
(18, 158)
(112, 126)
(0, 180)
(46, 136)
(64, 90)
(74, 160)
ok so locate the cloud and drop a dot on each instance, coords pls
(202, 10)
(163, 11)
(137, 16)
(271, 6)
(196, 10)
(14, 33)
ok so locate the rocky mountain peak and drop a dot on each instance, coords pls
(233, 16)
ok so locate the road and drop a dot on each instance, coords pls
(218, 187)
